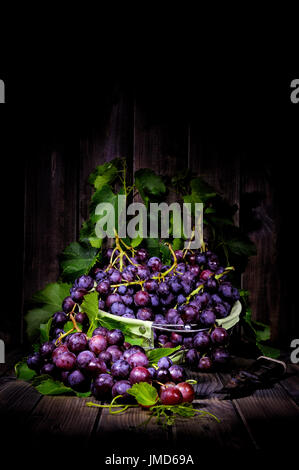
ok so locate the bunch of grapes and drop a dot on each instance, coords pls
(105, 364)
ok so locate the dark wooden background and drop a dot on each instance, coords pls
(167, 134)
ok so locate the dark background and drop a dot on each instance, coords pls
(237, 130)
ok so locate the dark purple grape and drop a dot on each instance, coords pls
(96, 366)
(62, 348)
(211, 285)
(154, 300)
(121, 388)
(84, 358)
(142, 298)
(122, 290)
(205, 274)
(162, 375)
(144, 314)
(203, 299)
(221, 311)
(78, 382)
(101, 330)
(187, 287)
(160, 319)
(68, 304)
(115, 337)
(163, 289)
(77, 295)
(141, 255)
(152, 372)
(201, 258)
(128, 275)
(192, 357)
(175, 286)
(113, 298)
(49, 369)
(34, 361)
(181, 299)
(164, 362)
(188, 342)
(66, 361)
(118, 308)
(139, 374)
(138, 359)
(103, 287)
(127, 299)
(85, 282)
(201, 340)
(194, 270)
(100, 275)
(220, 356)
(216, 299)
(115, 277)
(143, 272)
(81, 318)
(151, 285)
(102, 386)
(177, 373)
(98, 343)
(207, 318)
(236, 294)
(176, 338)
(120, 369)
(155, 264)
(181, 269)
(46, 350)
(106, 357)
(189, 315)
(179, 255)
(205, 363)
(226, 290)
(101, 304)
(213, 262)
(162, 339)
(172, 316)
(219, 336)
(77, 342)
(59, 319)
(115, 352)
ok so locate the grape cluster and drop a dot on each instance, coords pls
(104, 364)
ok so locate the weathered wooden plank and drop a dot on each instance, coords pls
(51, 212)
(107, 136)
(159, 144)
(128, 426)
(10, 360)
(207, 383)
(205, 433)
(272, 418)
(291, 382)
(17, 398)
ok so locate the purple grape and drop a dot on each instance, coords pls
(120, 369)
(77, 342)
(226, 290)
(113, 298)
(144, 314)
(220, 311)
(164, 362)
(34, 361)
(115, 351)
(219, 336)
(118, 308)
(163, 289)
(162, 375)
(127, 299)
(101, 304)
(201, 340)
(84, 358)
(160, 319)
(154, 300)
(85, 282)
(77, 295)
(138, 359)
(103, 287)
(98, 343)
(102, 386)
(100, 275)
(155, 264)
(177, 373)
(78, 382)
(106, 357)
(220, 356)
(66, 361)
(207, 318)
(141, 298)
(120, 388)
(192, 357)
(181, 299)
(101, 330)
(58, 351)
(68, 304)
(201, 258)
(162, 339)
(59, 319)
(189, 315)
(142, 255)
(96, 366)
(122, 290)
(115, 337)
(176, 338)
(132, 350)
(151, 285)
(139, 374)
(205, 363)
(46, 349)
(115, 277)
(82, 318)
(167, 300)
(152, 372)
(172, 316)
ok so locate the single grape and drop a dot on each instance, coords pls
(155, 264)
(187, 391)
(144, 314)
(216, 299)
(141, 255)
(77, 342)
(152, 371)
(59, 319)
(101, 330)
(154, 300)
(103, 287)
(171, 396)
(162, 339)
(201, 340)
(121, 388)
(106, 357)
(127, 299)
(160, 319)
(96, 366)
(164, 362)
(82, 318)
(220, 310)
(46, 349)
(226, 290)
(163, 289)
(176, 338)
(68, 304)
(132, 350)
(213, 262)
(58, 351)
(78, 382)
(207, 318)
(140, 374)
(179, 255)
(189, 315)
(220, 356)
(66, 361)
(205, 274)
(172, 316)
(205, 363)
(115, 337)
(115, 277)
(101, 304)
(177, 373)
(188, 342)
(211, 285)
(77, 295)
(219, 336)
(138, 359)
(100, 275)
(120, 369)
(102, 386)
(115, 352)
(141, 298)
(34, 361)
(201, 258)
(129, 313)
(85, 282)
(84, 358)
(162, 375)
(118, 308)
(181, 299)
(192, 357)
(151, 285)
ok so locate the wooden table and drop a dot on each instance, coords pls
(267, 420)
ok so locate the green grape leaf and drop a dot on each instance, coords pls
(241, 247)
(45, 331)
(136, 241)
(23, 372)
(165, 254)
(200, 191)
(152, 246)
(49, 301)
(149, 184)
(144, 393)
(105, 174)
(77, 259)
(90, 306)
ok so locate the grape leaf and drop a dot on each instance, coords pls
(149, 185)
(165, 254)
(45, 331)
(77, 259)
(144, 393)
(23, 372)
(90, 306)
(155, 354)
(200, 191)
(136, 241)
(152, 246)
(104, 174)
(50, 300)
(241, 247)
